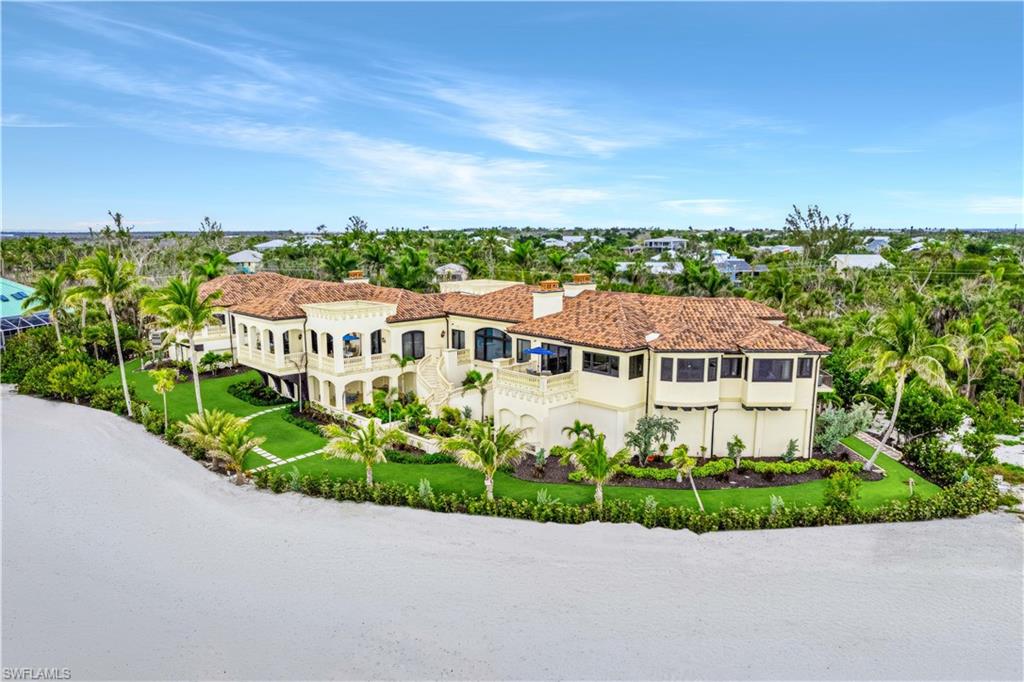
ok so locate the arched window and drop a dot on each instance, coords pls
(412, 345)
(376, 343)
(314, 342)
(492, 344)
(330, 345)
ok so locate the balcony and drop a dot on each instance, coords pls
(269, 361)
(824, 382)
(351, 365)
(516, 382)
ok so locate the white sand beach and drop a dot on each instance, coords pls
(124, 559)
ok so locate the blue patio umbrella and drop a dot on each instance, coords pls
(540, 351)
(350, 337)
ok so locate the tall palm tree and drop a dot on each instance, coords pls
(164, 381)
(898, 345)
(71, 267)
(96, 336)
(681, 461)
(180, 305)
(579, 430)
(975, 340)
(486, 449)
(591, 458)
(368, 444)
(339, 263)
(476, 381)
(52, 294)
(108, 279)
(375, 256)
(232, 447)
(522, 255)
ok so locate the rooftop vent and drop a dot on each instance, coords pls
(549, 285)
(355, 274)
(581, 278)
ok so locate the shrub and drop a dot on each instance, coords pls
(841, 491)
(935, 460)
(111, 399)
(790, 454)
(25, 351)
(735, 448)
(962, 499)
(36, 380)
(399, 457)
(835, 424)
(72, 380)
(302, 422)
(255, 392)
(980, 445)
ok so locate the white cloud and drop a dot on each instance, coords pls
(996, 205)
(708, 207)
(26, 121)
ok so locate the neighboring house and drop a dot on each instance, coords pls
(655, 267)
(779, 248)
(734, 268)
(246, 261)
(720, 255)
(858, 261)
(555, 243)
(875, 244)
(451, 272)
(665, 244)
(272, 244)
(12, 318)
(721, 367)
(573, 239)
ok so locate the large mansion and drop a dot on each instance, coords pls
(719, 366)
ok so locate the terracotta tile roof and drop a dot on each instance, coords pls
(622, 321)
(278, 297)
(511, 304)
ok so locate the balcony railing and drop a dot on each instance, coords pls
(352, 365)
(824, 380)
(268, 360)
(462, 356)
(545, 388)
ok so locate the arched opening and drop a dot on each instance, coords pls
(492, 344)
(329, 344)
(506, 418)
(270, 341)
(407, 383)
(529, 425)
(353, 393)
(382, 383)
(413, 345)
(376, 342)
(314, 389)
(352, 345)
(330, 397)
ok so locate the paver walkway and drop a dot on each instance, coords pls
(873, 442)
(263, 412)
(277, 461)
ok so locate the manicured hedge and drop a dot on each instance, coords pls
(255, 392)
(962, 499)
(718, 467)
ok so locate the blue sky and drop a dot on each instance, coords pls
(268, 116)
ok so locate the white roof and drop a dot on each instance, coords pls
(451, 267)
(861, 260)
(666, 240)
(272, 244)
(555, 242)
(246, 256)
(573, 239)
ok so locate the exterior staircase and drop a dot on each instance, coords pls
(431, 383)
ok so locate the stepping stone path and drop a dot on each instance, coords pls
(263, 412)
(276, 461)
(873, 442)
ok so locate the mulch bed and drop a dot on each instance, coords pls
(556, 472)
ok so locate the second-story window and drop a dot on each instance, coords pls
(458, 339)
(805, 368)
(492, 344)
(314, 342)
(772, 370)
(270, 341)
(599, 363)
(286, 343)
(712, 369)
(559, 362)
(636, 366)
(688, 369)
(666, 369)
(376, 343)
(732, 368)
(412, 345)
(522, 350)
(245, 335)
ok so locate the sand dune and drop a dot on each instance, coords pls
(124, 559)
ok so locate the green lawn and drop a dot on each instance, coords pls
(285, 440)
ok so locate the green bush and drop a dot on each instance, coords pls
(962, 499)
(255, 392)
(399, 457)
(25, 351)
(841, 491)
(302, 422)
(935, 460)
(835, 424)
(111, 399)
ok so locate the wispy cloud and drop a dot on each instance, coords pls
(882, 149)
(706, 207)
(26, 121)
(996, 205)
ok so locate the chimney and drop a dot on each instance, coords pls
(581, 282)
(356, 277)
(548, 300)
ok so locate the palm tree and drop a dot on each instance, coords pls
(900, 345)
(683, 464)
(557, 260)
(486, 449)
(522, 254)
(232, 447)
(109, 279)
(96, 336)
(71, 268)
(591, 458)
(974, 341)
(375, 256)
(368, 444)
(475, 381)
(339, 263)
(51, 294)
(205, 429)
(213, 264)
(579, 430)
(181, 307)
(164, 381)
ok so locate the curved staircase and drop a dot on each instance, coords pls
(431, 383)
